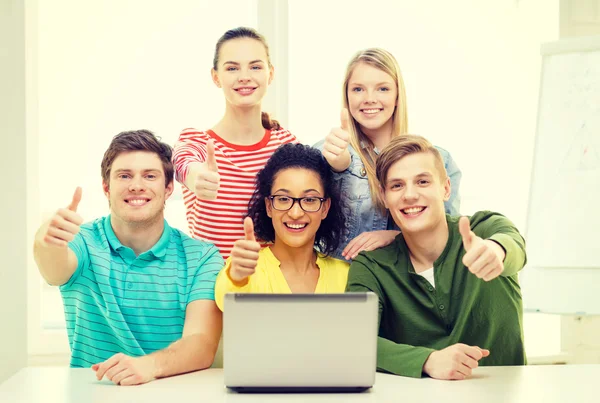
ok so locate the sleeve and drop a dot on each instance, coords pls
(203, 284)
(79, 247)
(393, 358)
(452, 206)
(190, 147)
(501, 230)
(225, 285)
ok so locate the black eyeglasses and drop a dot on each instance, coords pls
(309, 204)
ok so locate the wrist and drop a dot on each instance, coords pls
(238, 282)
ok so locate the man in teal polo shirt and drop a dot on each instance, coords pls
(449, 296)
(138, 294)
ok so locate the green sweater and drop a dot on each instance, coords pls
(416, 319)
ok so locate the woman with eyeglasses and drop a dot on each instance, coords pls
(296, 212)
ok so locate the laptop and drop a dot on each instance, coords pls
(300, 342)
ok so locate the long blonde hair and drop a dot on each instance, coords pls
(383, 60)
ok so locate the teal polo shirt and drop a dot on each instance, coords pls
(117, 302)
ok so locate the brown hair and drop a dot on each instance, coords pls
(382, 60)
(401, 146)
(245, 32)
(137, 140)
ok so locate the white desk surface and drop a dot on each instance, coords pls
(547, 384)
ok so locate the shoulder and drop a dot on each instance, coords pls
(193, 134)
(333, 264)
(284, 135)
(388, 256)
(482, 222)
(92, 233)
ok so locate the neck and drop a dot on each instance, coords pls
(425, 247)
(138, 236)
(381, 136)
(242, 126)
(300, 260)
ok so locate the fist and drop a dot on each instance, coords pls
(244, 255)
(336, 142)
(64, 224)
(454, 362)
(206, 184)
(484, 258)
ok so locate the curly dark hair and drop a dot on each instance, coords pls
(289, 155)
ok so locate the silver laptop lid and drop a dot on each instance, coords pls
(289, 340)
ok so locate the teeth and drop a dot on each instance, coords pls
(371, 110)
(137, 201)
(295, 226)
(413, 210)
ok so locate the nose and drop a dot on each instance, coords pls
(410, 193)
(296, 211)
(370, 97)
(136, 184)
(244, 76)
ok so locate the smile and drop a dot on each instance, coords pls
(245, 90)
(137, 202)
(295, 226)
(412, 211)
(371, 111)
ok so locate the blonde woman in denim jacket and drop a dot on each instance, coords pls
(374, 112)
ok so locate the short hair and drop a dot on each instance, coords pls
(401, 146)
(287, 156)
(137, 140)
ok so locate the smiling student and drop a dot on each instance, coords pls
(448, 288)
(374, 112)
(217, 167)
(296, 209)
(138, 294)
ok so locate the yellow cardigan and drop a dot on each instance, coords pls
(268, 278)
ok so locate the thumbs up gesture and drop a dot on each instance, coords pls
(335, 148)
(207, 180)
(484, 257)
(64, 224)
(244, 255)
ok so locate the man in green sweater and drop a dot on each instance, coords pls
(449, 296)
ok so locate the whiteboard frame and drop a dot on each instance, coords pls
(554, 289)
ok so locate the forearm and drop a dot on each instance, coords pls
(514, 246)
(53, 262)
(401, 359)
(190, 353)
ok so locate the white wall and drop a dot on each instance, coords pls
(13, 307)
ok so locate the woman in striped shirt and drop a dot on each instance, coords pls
(218, 166)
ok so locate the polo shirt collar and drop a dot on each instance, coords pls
(159, 249)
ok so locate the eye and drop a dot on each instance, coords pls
(356, 89)
(396, 186)
(311, 200)
(231, 68)
(151, 176)
(123, 176)
(256, 67)
(384, 89)
(423, 182)
(282, 199)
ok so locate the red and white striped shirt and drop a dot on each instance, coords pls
(221, 220)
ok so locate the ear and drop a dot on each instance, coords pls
(169, 190)
(382, 195)
(325, 208)
(106, 189)
(268, 206)
(271, 74)
(215, 77)
(447, 189)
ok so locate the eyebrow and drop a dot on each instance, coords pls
(381, 83)
(237, 64)
(421, 175)
(126, 170)
(306, 191)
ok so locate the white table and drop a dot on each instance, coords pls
(547, 384)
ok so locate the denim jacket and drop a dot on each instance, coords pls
(361, 214)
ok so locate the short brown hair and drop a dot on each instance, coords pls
(401, 146)
(137, 140)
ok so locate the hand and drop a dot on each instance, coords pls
(368, 241)
(206, 183)
(484, 258)
(244, 255)
(454, 362)
(64, 224)
(124, 370)
(335, 148)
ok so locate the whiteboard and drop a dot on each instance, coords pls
(563, 220)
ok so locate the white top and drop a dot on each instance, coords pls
(530, 384)
(428, 275)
